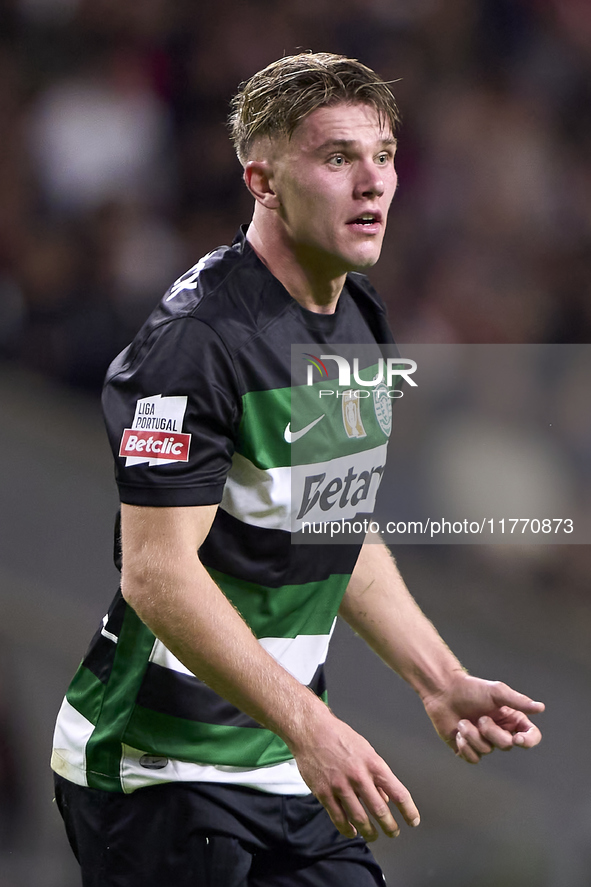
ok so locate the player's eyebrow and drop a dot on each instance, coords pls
(344, 144)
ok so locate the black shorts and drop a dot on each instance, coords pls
(208, 835)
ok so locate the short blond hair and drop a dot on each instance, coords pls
(275, 100)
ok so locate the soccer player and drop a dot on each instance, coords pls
(194, 745)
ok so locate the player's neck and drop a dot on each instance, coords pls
(318, 292)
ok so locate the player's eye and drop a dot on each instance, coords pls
(337, 160)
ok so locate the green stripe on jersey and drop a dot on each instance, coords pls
(184, 740)
(260, 410)
(287, 611)
(85, 694)
(103, 751)
(267, 414)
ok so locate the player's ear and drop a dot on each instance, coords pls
(258, 177)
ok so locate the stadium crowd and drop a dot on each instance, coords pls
(116, 172)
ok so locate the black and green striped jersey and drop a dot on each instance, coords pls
(199, 411)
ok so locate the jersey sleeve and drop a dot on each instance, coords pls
(172, 406)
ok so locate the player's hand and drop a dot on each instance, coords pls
(475, 716)
(352, 781)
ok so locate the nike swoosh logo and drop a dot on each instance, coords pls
(291, 436)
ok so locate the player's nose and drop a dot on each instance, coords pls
(370, 180)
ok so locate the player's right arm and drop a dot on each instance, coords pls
(166, 584)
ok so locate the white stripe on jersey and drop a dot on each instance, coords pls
(300, 656)
(285, 498)
(277, 779)
(72, 732)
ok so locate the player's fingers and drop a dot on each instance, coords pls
(400, 796)
(465, 750)
(376, 801)
(495, 734)
(505, 695)
(474, 737)
(358, 817)
(527, 738)
(338, 815)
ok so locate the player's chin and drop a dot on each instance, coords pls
(366, 258)
(367, 252)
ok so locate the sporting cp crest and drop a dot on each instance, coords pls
(352, 415)
(383, 408)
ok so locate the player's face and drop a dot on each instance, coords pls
(335, 180)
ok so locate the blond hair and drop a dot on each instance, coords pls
(275, 100)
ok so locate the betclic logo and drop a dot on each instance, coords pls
(156, 435)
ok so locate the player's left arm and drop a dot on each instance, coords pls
(473, 716)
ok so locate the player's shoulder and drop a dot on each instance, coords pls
(215, 275)
(222, 302)
(229, 290)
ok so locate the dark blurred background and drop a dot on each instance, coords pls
(116, 175)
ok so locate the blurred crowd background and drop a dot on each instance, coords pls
(116, 176)
(116, 173)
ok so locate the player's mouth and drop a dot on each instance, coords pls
(367, 223)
